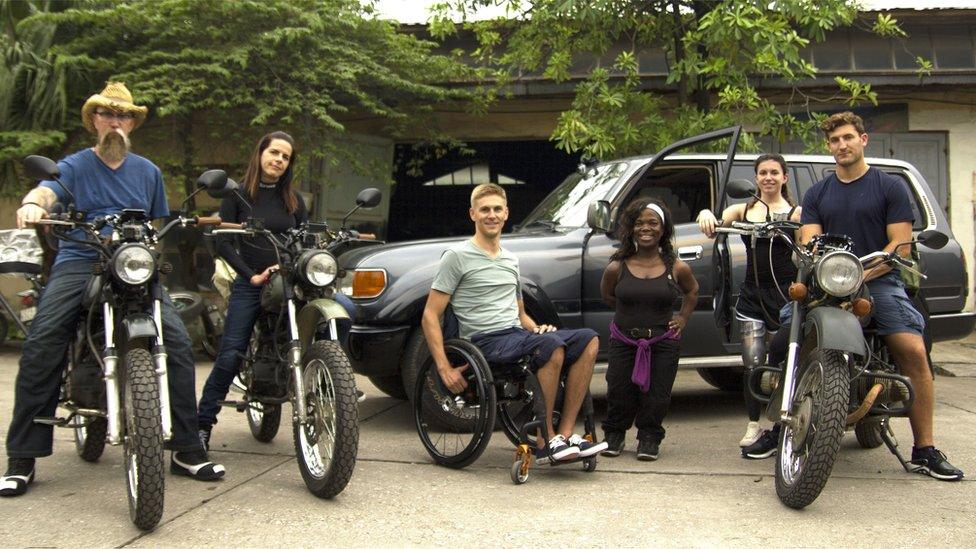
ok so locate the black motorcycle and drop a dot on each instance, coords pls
(116, 363)
(837, 373)
(294, 354)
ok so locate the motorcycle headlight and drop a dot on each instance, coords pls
(134, 264)
(319, 268)
(839, 273)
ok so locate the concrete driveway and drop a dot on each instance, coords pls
(700, 493)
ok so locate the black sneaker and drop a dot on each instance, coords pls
(930, 461)
(765, 447)
(196, 465)
(204, 434)
(20, 473)
(647, 449)
(615, 443)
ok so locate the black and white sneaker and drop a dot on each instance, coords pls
(558, 450)
(196, 465)
(360, 396)
(587, 448)
(766, 446)
(930, 461)
(648, 450)
(615, 443)
(20, 473)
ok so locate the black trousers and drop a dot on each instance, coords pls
(626, 404)
(43, 360)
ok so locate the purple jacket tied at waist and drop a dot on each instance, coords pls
(642, 362)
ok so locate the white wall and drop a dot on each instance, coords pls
(944, 112)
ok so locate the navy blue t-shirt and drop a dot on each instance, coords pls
(100, 191)
(861, 209)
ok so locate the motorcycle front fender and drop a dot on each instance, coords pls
(315, 312)
(138, 326)
(836, 329)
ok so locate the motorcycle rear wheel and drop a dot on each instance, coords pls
(327, 444)
(868, 433)
(143, 440)
(90, 438)
(808, 448)
(264, 420)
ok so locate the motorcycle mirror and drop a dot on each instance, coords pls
(212, 180)
(41, 167)
(741, 188)
(368, 198)
(932, 239)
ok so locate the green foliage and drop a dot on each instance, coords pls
(718, 52)
(247, 66)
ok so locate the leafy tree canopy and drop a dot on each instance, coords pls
(303, 65)
(718, 51)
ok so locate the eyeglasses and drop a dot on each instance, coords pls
(120, 116)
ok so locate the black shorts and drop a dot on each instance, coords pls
(761, 304)
(511, 344)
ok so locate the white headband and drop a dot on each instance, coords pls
(656, 209)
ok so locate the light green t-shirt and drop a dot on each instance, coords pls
(484, 290)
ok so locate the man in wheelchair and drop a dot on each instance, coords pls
(480, 280)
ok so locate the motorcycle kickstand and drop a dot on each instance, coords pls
(888, 437)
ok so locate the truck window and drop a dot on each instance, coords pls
(686, 190)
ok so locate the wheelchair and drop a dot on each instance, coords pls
(455, 429)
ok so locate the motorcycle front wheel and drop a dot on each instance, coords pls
(327, 443)
(143, 441)
(809, 445)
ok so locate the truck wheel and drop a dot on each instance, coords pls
(725, 379)
(414, 356)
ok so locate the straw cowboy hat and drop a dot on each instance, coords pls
(116, 97)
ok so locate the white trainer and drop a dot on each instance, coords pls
(752, 434)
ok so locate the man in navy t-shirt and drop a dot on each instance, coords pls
(104, 179)
(874, 209)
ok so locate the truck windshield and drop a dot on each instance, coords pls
(566, 205)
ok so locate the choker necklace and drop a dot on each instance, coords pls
(267, 185)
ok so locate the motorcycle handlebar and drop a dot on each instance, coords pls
(208, 220)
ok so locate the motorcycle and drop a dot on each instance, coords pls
(113, 387)
(21, 255)
(837, 374)
(294, 355)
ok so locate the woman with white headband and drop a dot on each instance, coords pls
(642, 284)
(769, 272)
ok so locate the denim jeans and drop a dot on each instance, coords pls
(44, 358)
(242, 312)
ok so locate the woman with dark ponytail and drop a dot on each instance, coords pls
(642, 283)
(769, 271)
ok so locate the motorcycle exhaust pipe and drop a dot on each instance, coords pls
(865, 406)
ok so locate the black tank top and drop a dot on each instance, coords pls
(783, 271)
(643, 302)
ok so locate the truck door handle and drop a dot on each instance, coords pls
(690, 253)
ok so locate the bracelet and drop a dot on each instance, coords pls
(22, 204)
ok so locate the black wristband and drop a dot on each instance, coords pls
(22, 204)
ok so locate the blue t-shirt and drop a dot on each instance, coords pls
(100, 191)
(861, 209)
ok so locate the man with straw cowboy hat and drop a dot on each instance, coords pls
(104, 179)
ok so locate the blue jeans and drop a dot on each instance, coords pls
(242, 311)
(43, 360)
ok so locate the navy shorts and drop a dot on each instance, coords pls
(893, 312)
(511, 344)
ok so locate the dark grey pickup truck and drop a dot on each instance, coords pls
(563, 247)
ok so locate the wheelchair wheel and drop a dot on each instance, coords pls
(455, 429)
(589, 464)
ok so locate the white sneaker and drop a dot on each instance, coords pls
(752, 434)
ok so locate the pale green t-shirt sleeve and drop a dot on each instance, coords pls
(448, 273)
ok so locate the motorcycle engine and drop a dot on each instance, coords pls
(892, 391)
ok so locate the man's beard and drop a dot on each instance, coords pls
(113, 147)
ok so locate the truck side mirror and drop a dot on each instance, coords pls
(598, 215)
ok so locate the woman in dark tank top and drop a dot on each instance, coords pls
(642, 284)
(769, 272)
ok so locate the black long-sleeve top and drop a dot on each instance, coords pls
(253, 254)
